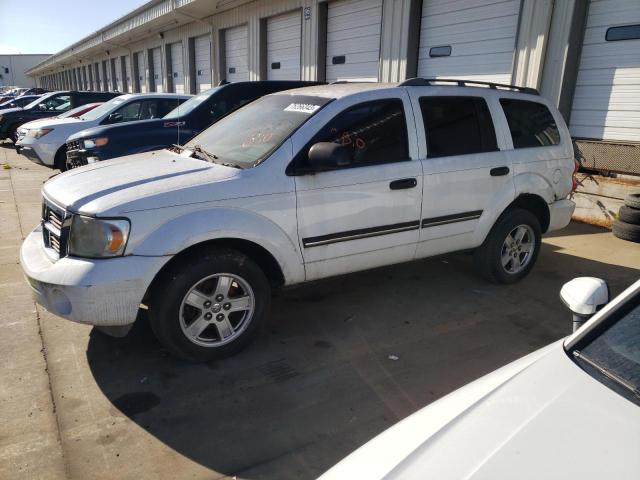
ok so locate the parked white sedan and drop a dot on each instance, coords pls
(569, 410)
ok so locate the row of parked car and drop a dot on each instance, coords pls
(229, 196)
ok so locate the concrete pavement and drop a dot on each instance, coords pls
(320, 382)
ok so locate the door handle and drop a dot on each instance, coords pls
(404, 183)
(499, 171)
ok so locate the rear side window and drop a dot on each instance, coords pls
(530, 123)
(375, 132)
(457, 126)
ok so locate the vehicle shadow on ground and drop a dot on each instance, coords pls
(342, 360)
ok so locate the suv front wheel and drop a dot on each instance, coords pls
(511, 248)
(210, 306)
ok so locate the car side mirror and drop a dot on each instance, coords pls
(114, 117)
(328, 156)
(584, 296)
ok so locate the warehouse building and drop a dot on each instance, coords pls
(14, 66)
(584, 55)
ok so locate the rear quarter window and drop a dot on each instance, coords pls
(530, 124)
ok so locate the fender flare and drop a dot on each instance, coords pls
(225, 223)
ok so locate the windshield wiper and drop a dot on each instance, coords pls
(607, 373)
(202, 154)
(177, 148)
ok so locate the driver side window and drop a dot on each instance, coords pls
(374, 132)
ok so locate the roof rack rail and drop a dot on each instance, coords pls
(423, 82)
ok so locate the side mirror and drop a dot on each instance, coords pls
(328, 156)
(114, 117)
(584, 296)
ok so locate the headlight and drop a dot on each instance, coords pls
(96, 142)
(39, 132)
(98, 237)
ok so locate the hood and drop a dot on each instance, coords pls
(107, 129)
(49, 123)
(138, 182)
(539, 418)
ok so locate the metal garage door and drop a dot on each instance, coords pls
(119, 85)
(106, 65)
(157, 69)
(473, 39)
(283, 46)
(202, 47)
(127, 74)
(96, 77)
(236, 54)
(353, 40)
(606, 101)
(142, 72)
(177, 68)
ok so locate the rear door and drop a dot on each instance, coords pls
(365, 214)
(466, 175)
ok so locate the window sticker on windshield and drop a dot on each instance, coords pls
(302, 108)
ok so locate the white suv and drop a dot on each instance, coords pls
(297, 186)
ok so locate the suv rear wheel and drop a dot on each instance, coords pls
(511, 248)
(210, 306)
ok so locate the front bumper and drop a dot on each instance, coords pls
(560, 213)
(102, 292)
(38, 152)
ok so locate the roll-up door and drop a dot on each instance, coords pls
(353, 40)
(202, 47)
(96, 77)
(236, 54)
(142, 73)
(283, 46)
(157, 69)
(106, 77)
(468, 39)
(606, 100)
(128, 81)
(118, 68)
(177, 68)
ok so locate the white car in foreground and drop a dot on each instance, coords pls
(568, 411)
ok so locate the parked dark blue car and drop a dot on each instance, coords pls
(177, 127)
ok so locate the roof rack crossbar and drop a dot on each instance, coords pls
(423, 82)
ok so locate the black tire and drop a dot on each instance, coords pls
(488, 257)
(60, 162)
(626, 231)
(166, 303)
(629, 215)
(632, 200)
(13, 133)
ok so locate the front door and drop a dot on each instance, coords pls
(364, 214)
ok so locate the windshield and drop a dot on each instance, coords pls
(39, 99)
(103, 109)
(247, 136)
(614, 356)
(191, 104)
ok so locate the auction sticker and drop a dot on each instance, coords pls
(302, 108)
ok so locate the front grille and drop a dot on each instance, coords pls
(73, 145)
(55, 228)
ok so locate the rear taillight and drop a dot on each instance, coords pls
(574, 179)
